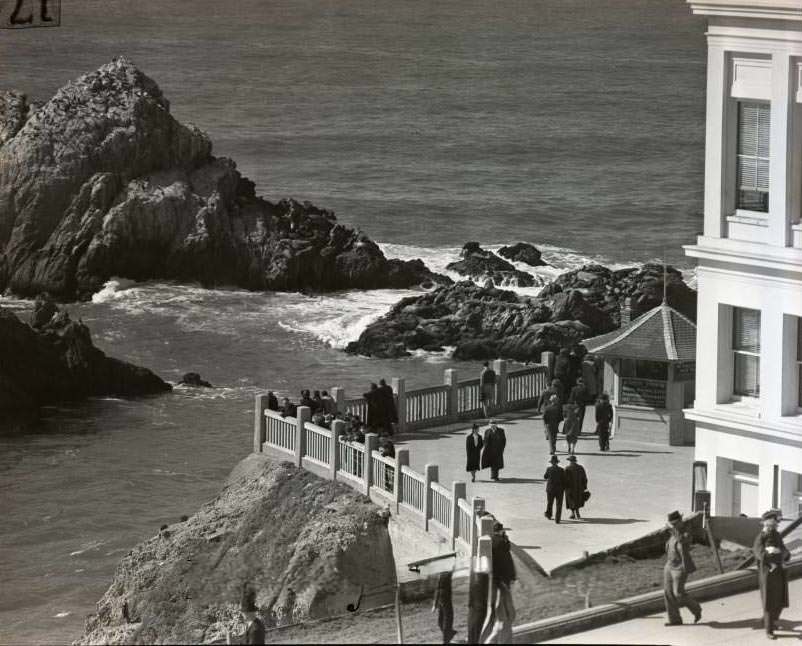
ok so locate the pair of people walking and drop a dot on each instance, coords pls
(485, 452)
(570, 414)
(571, 482)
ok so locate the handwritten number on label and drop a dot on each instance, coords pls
(44, 13)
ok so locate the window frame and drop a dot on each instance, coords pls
(739, 396)
(740, 210)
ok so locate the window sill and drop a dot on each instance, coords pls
(742, 406)
(754, 218)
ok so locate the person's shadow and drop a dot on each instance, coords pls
(783, 625)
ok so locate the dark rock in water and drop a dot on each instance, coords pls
(56, 361)
(523, 252)
(482, 265)
(44, 309)
(102, 181)
(485, 322)
(194, 379)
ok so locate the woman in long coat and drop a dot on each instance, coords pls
(771, 554)
(576, 481)
(571, 427)
(473, 451)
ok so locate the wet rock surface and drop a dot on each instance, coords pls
(523, 252)
(483, 265)
(102, 181)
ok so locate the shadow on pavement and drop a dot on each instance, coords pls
(756, 624)
(608, 521)
(521, 480)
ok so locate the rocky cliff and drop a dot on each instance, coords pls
(306, 546)
(485, 322)
(102, 181)
(53, 359)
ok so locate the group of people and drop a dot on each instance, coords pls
(571, 482)
(485, 451)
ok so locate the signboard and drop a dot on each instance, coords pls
(643, 392)
(24, 14)
(685, 371)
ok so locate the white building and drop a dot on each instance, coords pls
(748, 408)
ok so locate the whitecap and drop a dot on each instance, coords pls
(113, 289)
(60, 615)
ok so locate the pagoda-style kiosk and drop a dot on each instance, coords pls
(649, 369)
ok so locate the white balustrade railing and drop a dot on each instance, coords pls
(280, 431)
(351, 460)
(317, 443)
(464, 514)
(441, 505)
(469, 396)
(413, 489)
(427, 404)
(383, 476)
(357, 406)
(522, 385)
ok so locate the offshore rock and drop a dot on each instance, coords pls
(485, 322)
(194, 379)
(54, 360)
(102, 181)
(523, 252)
(304, 545)
(482, 265)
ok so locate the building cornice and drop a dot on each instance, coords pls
(739, 252)
(765, 9)
(774, 431)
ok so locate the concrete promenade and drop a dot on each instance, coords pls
(633, 486)
(734, 620)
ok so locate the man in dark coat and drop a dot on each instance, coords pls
(376, 415)
(555, 484)
(495, 441)
(770, 555)
(679, 565)
(255, 631)
(552, 417)
(444, 606)
(487, 388)
(473, 451)
(580, 396)
(272, 401)
(563, 369)
(555, 388)
(388, 403)
(604, 419)
(576, 482)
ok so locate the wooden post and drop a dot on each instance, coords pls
(500, 368)
(338, 395)
(430, 475)
(259, 423)
(458, 492)
(304, 415)
(398, 626)
(401, 459)
(371, 442)
(711, 539)
(450, 379)
(399, 389)
(337, 429)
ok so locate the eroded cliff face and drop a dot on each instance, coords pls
(101, 181)
(305, 545)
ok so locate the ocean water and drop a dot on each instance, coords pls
(574, 125)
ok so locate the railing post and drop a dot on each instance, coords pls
(500, 368)
(371, 442)
(259, 423)
(430, 475)
(337, 429)
(477, 507)
(484, 555)
(547, 358)
(450, 378)
(338, 395)
(304, 415)
(399, 388)
(458, 491)
(401, 459)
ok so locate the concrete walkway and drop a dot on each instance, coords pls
(633, 486)
(734, 620)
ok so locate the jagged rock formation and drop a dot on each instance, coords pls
(523, 252)
(484, 322)
(482, 265)
(53, 359)
(306, 546)
(195, 380)
(101, 181)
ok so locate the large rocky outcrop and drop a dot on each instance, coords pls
(485, 322)
(304, 545)
(523, 252)
(102, 181)
(482, 265)
(53, 359)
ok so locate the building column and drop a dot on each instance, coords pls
(781, 181)
(771, 363)
(716, 148)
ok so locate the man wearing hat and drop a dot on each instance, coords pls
(679, 565)
(552, 417)
(555, 485)
(576, 482)
(770, 555)
(493, 452)
(504, 574)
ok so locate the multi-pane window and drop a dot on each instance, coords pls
(752, 167)
(746, 351)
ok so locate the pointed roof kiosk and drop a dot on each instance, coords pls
(649, 370)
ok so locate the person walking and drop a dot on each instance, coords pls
(473, 451)
(563, 370)
(555, 485)
(495, 441)
(571, 428)
(552, 417)
(555, 388)
(389, 408)
(503, 576)
(444, 606)
(679, 565)
(375, 417)
(604, 419)
(580, 397)
(487, 388)
(576, 483)
(770, 554)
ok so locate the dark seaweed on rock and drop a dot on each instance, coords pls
(102, 181)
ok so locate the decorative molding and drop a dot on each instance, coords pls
(751, 78)
(763, 9)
